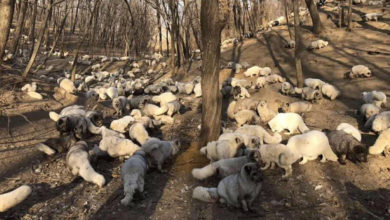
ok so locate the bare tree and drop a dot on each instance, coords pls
(349, 15)
(214, 15)
(75, 17)
(38, 43)
(33, 18)
(315, 17)
(298, 45)
(19, 27)
(287, 19)
(6, 12)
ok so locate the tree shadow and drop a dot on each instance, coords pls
(369, 204)
(41, 192)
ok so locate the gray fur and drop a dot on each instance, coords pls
(133, 174)
(346, 146)
(159, 151)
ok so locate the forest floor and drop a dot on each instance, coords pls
(315, 190)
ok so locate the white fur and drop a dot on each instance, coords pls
(330, 91)
(173, 107)
(222, 149)
(381, 121)
(297, 107)
(164, 98)
(224, 167)
(244, 94)
(112, 92)
(185, 88)
(318, 44)
(154, 110)
(165, 119)
(253, 71)
(198, 90)
(246, 116)
(360, 71)
(369, 110)
(349, 129)
(250, 141)
(14, 197)
(35, 95)
(314, 83)
(265, 112)
(375, 97)
(260, 132)
(67, 85)
(274, 78)
(117, 146)
(241, 83)
(205, 194)
(77, 160)
(290, 121)
(310, 145)
(261, 82)
(138, 132)
(122, 125)
(382, 143)
(70, 110)
(29, 87)
(270, 155)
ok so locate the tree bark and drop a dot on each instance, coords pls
(6, 12)
(315, 17)
(298, 45)
(31, 32)
(38, 44)
(341, 14)
(349, 15)
(19, 27)
(214, 15)
(56, 38)
(75, 17)
(287, 20)
(167, 41)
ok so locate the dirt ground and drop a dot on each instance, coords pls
(315, 190)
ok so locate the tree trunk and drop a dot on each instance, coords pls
(31, 32)
(57, 38)
(46, 37)
(159, 32)
(75, 17)
(341, 14)
(315, 17)
(38, 43)
(214, 15)
(19, 27)
(167, 41)
(287, 20)
(7, 12)
(298, 45)
(349, 15)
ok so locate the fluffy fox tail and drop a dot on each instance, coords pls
(35, 95)
(45, 149)
(205, 194)
(381, 143)
(11, 199)
(230, 110)
(54, 116)
(203, 173)
(90, 175)
(275, 139)
(302, 127)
